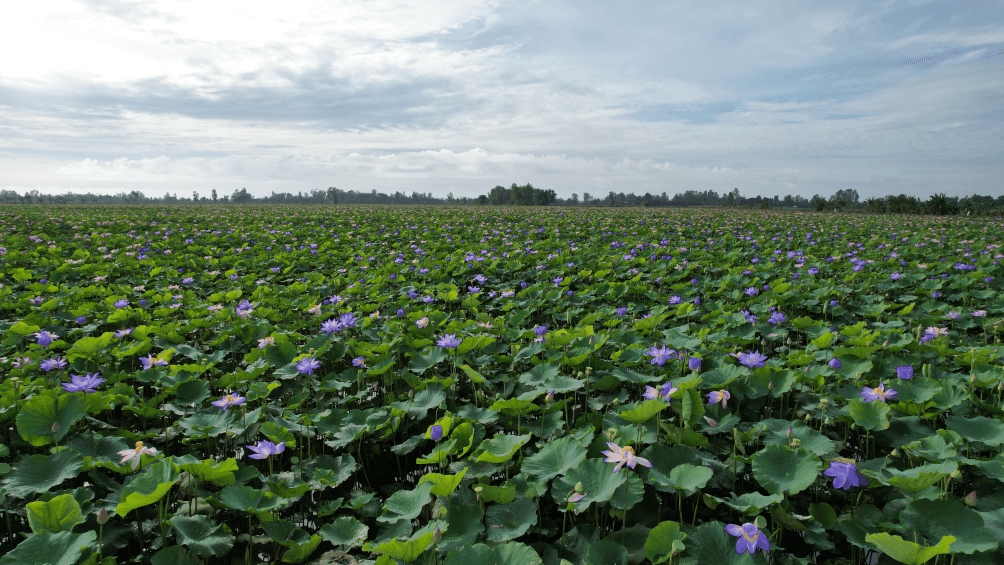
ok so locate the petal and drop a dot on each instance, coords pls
(644, 461)
(734, 530)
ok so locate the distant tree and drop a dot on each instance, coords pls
(195, 196)
(818, 202)
(611, 198)
(214, 195)
(332, 195)
(586, 198)
(575, 199)
(449, 198)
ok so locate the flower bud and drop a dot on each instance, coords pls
(712, 423)
(103, 514)
(970, 499)
(55, 428)
(789, 431)
(578, 487)
(437, 536)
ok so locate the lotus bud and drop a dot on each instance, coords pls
(1000, 387)
(712, 423)
(972, 378)
(103, 514)
(789, 341)
(770, 385)
(894, 453)
(789, 431)
(578, 487)
(581, 374)
(55, 428)
(808, 418)
(826, 422)
(437, 536)
(886, 344)
(970, 499)
(411, 394)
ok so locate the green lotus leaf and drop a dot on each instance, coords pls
(870, 415)
(643, 412)
(780, 469)
(285, 532)
(210, 470)
(599, 483)
(406, 504)
(41, 473)
(556, 457)
(175, 555)
(148, 487)
(203, 536)
(919, 478)
(465, 524)
(607, 551)
(937, 518)
(345, 531)
(62, 548)
(248, 499)
(444, 484)
(710, 544)
(514, 406)
(809, 438)
(906, 551)
(406, 551)
(89, 347)
(48, 417)
(688, 478)
(664, 541)
(500, 448)
(537, 376)
(512, 553)
(421, 363)
(506, 522)
(300, 552)
(59, 514)
(750, 502)
(332, 471)
(988, 431)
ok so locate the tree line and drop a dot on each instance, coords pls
(529, 195)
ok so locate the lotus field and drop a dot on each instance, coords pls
(511, 386)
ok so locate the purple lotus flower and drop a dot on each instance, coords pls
(359, 362)
(540, 330)
(123, 333)
(665, 392)
(45, 338)
(752, 359)
(449, 341)
(845, 474)
(308, 365)
(331, 326)
(263, 449)
(86, 383)
(905, 372)
(623, 456)
(694, 363)
(436, 432)
(878, 393)
(82, 320)
(121, 303)
(660, 355)
(750, 538)
(835, 363)
(52, 363)
(777, 318)
(150, 361)
(716, 396)
(228, 401)
(675, 299)
(621, 311)
(348, 320)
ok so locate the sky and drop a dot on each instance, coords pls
(579, 96)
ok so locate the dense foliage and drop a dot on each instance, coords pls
(334, 384)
